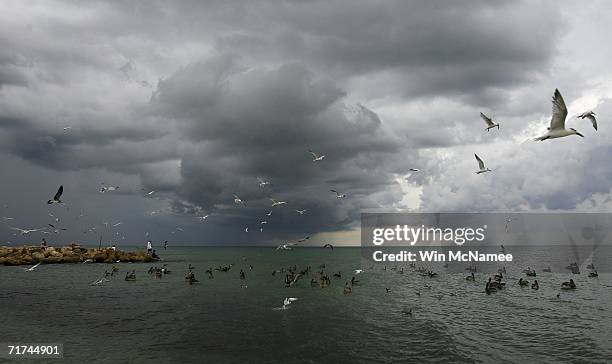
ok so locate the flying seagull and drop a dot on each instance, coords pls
(328, 245)
(237, 200)
(66, 128)
(338, 195)
(277, 203)
(358, 271)
(557, 122)
(262, 183)
(58, 195)
(489, 121)
(104, 188)
(31, 269)
(269, 213)
(316, 157)
(286, 302)
(202, 218)
(591, 116)
(303, 239)
(56, 230)
(481, 165)
(287, 246)
(414, 170)
(25, 231)
(301, 212)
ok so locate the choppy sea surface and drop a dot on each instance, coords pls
(167, 320)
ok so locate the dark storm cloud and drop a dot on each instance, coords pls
(196, 99)
(428, 47)
(245, 123)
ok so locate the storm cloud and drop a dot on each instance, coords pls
(195, 100)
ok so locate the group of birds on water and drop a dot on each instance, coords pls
(322, 279)
(556, 129)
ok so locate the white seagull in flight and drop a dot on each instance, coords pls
(481, 165)
(56, 229)
(237, 200)
(277, 203)
(301, 212)
(104, 188)
(202, 218)
(339, 195)
(286, 302)
(262, 183)
(591, 116)
(25, 231)
(31, 269)
(316, 157)
(489, 121)
(287, 246)
(557, 122)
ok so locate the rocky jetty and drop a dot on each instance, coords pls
(73, 253)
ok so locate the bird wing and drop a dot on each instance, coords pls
(314, 155)
(60, 190)
(51, 225)
(593, 120)
(487, 119)
(480, 162)
(559, 112)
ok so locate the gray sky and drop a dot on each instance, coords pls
(196, 99)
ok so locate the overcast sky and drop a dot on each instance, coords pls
(194, 100)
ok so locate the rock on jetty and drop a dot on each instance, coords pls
(73, 253)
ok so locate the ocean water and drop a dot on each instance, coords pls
(217, 321)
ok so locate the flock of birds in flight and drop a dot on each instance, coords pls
(556, 129)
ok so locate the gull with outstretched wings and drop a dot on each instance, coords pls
(58, 195)
(557, 122)
(489, 121)
(315, 156)
(591, 116)
(481, 165)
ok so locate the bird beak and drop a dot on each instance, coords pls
(580, 134)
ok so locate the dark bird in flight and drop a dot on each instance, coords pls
(56, 198)
(328, 245)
